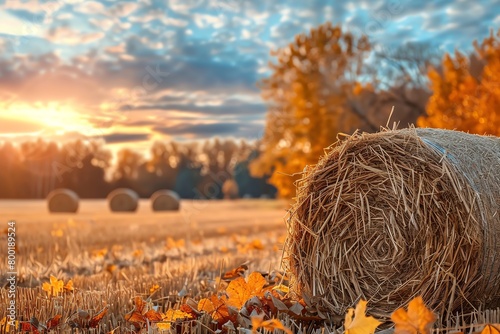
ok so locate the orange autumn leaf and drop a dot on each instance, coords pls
(235, 273)
(356, 321)
(256, 244)
(141, 313)
(154, 288)
(268, 325)
(69, 286)
(417, 320)
(53, 322)
(216, 307)
(171, 316)
(29, 327)
(153, 316)
(239, 290)
(82, 319)
(173, 244)
(491, 329)
(54, 287)
(96, 319)
(100, 253)
(190, 309)
(110, 268)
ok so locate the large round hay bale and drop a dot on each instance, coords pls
(396, 214)
(165, 200)
(123, 200)
(63, 200)
(230, 189)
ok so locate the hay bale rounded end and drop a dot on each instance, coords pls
(165, 200)
(401, 213)
(123, 200)
(63, 201)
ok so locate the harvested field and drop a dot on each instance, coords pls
(113, 257)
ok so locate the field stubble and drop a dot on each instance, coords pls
(111, 258)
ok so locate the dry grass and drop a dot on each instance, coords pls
(112, 262)
(401, 213)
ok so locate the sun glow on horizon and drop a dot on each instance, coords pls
(48, 118)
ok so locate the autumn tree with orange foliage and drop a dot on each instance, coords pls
(309, 94)
(462, 100)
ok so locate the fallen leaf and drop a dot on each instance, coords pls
(418, 319)
(142, 314)
(53, 322)
(235, 273)
(491, 329)
(217, 308)
(239, 290)
(54, 287)
(154, 288)
(69, 286)
(269, 325)
(356, 321)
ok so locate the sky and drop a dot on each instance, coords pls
(132, 72)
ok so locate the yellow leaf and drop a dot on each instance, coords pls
(54, 287)
(239, 290)
(356, 322)
(418, 319)
(6, 323)
(268, 325)
(173, 244)
(282, 288)
(154, 288)
(164, 326)
(173, 315)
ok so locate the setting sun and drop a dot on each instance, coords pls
(51, 118)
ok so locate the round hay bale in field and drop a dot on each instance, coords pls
(230, 189)
(165, 200)
(401, 213)
(123, 200)
(63, 200)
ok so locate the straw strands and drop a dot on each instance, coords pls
(62, 200)
(123, 200)
(396, 214)
(165, 200)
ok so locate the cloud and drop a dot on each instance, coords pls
(185, 61)
(90, 7)
(114, 138)
(124, 8)
(228, 107)
(207, 130)
(66, 35)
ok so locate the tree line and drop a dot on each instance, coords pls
(212, 169)
(329, 81)
(324, 83)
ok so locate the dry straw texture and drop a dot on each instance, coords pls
(165, 200)
(400, 213)
(62, 200)
(123, 200)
